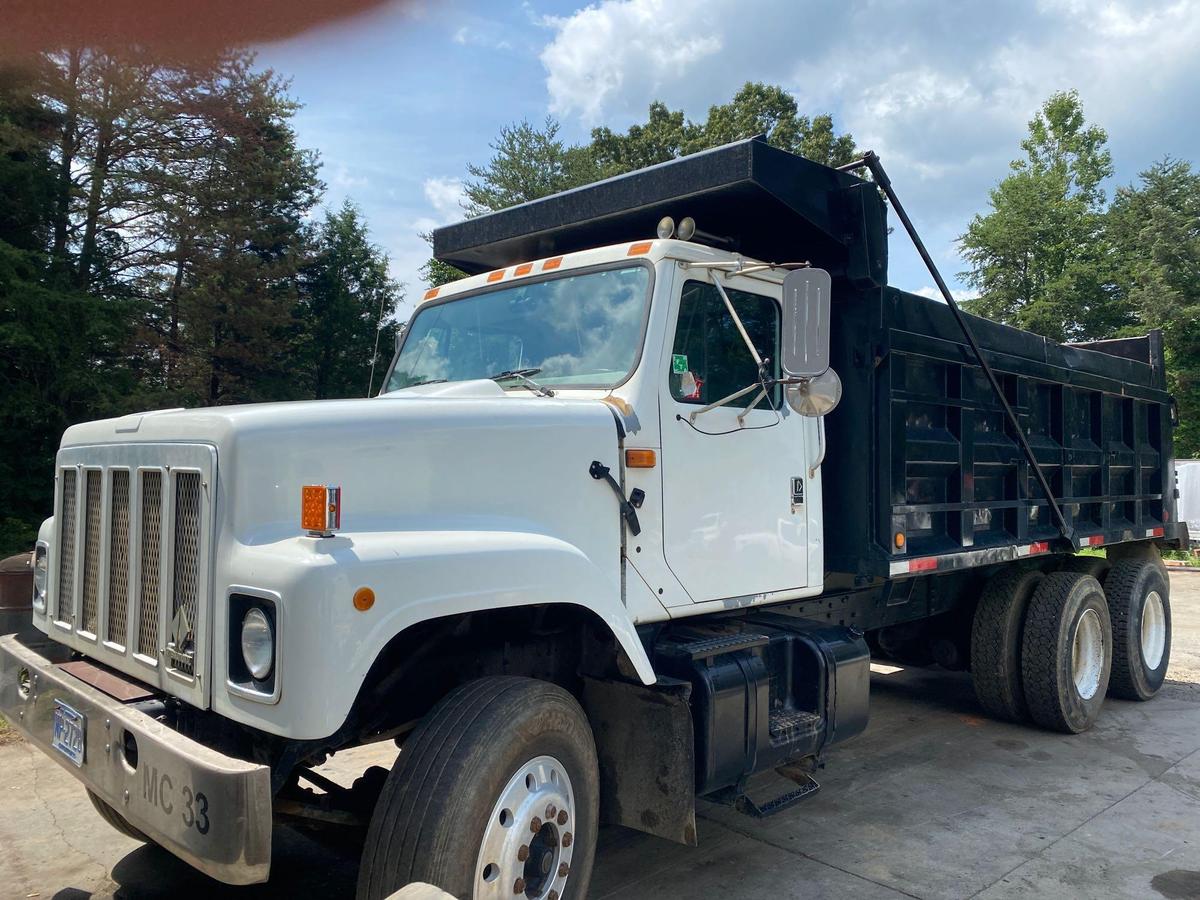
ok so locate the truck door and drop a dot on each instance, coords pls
(736, 495)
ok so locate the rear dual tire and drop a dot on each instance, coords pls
(1066, 652)
(1139, 599)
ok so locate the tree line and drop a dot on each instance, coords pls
(162, 244)
(1051, 254)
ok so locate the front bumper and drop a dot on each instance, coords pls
(211, 810)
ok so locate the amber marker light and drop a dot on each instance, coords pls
(320, 509)
(523, 269)
(640, 249)
(552, 263)
(495, 276)
(364, 599)
(899, 540)
(431, 293)
(639, 459)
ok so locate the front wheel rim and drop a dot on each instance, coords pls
(529, 839)
(1154, 630)
(1087, 654)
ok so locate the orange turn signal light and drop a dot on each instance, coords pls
(640, 459)
(320, 509)
(364, 599)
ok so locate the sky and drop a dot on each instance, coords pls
(401, 100)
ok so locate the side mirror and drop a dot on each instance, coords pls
(815, 397)
(804, 343)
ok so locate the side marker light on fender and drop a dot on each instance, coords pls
(364, 599)
(320, 509)
(639, 459)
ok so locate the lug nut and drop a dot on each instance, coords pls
(551, 811)
(519, 886)
(523, 853)
(562, 817)
(536, 825)
(566, 839)
(563, 869)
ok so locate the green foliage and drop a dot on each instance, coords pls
(1052, 256)
(530, 162)
(527, 163)
(1155, 231)
(348, 301)
(156, 250)
(1040, 257)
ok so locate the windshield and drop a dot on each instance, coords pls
(580, 330)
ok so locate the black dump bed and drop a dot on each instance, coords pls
(920, 446)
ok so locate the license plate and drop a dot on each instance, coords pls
(69, 730)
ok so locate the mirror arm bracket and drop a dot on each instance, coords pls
(737, 320)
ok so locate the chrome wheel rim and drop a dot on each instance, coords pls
(529, 839)
(1154, 630)
(1087, 654)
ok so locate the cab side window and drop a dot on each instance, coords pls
(709, 359)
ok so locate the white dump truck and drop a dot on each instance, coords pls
(640, 500)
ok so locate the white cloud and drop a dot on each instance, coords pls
(466, 35)
(942, 92)
(961, 295)
(343, 178)
(605, 52)
(446, 198)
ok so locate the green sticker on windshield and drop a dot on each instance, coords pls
(679, 363)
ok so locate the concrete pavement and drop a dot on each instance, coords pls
(934, 801)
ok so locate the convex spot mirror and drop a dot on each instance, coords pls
(815, 396)
(804, 343)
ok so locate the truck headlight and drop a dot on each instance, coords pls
(41, 573)
(258, 643)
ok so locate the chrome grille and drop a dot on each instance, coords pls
(132, 556)
(92, 481)
(66, 553)
(118, 557)
(187, 570)
(151, 539)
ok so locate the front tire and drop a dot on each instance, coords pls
(1066, 652)
(116, 820)
(496, 794)
(1139, 600)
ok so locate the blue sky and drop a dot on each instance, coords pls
(398, 102)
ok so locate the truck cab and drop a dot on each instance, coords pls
(639, 499)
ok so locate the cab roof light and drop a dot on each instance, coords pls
(523, 269)
(320, 509)
(552, 263)
(495, 276)
(640, 249)
(431, 293)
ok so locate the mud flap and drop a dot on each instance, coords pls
(647, 756)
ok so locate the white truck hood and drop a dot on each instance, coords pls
(421, 458)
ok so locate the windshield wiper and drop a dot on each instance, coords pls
(526, 382)
(428, 381)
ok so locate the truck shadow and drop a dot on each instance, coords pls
(300, 867)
